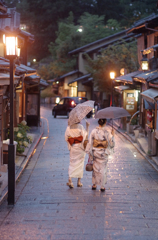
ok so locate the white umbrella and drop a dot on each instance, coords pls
(80, 112)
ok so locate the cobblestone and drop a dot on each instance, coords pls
(46, 209)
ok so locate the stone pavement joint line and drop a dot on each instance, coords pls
(47, 209)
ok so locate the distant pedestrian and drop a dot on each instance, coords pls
(99, 148)
(75, 136)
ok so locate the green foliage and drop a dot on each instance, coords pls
(47, 92)
(95, 29)
(68, 38)
(134, 121)
(21, 137)
(45, 72)
(135, 10)
(42, 16)
(113, 58)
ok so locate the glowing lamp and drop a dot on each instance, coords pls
(112, 75)
(145, 64)
(11, 45)
(11, 51)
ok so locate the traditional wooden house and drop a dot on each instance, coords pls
(145, 79)
(27, 83)
(79, 82)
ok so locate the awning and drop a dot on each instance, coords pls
(85, 82)
(43, 83)
(32, 79)
(150, 95)
(21, 69)
(154, 84)
(5, 79)
(146, 76)
(80, 78)
(150, 49)
(149, 105)
(120, 89)
(127, 78)
(4, 63)
(27, 35)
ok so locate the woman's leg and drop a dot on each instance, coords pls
(79, 184)
(70, 184)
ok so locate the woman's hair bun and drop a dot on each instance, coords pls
(101, 122)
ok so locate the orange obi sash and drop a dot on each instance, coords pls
(74, 140)
(100, 144)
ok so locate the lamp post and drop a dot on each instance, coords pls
(112, 77)
(11, 52)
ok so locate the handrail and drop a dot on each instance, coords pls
(133, 116)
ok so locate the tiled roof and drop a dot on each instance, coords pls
(63, 76)
(142, 23)
(100, 41)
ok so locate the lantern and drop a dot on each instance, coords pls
(145, 64)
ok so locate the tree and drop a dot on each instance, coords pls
(68, 38)
(113, 58)
(135, 10)
(42, 16)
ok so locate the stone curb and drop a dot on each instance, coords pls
(24, 164)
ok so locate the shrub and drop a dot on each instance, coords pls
(21, 137)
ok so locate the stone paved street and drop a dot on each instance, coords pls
(46, 209)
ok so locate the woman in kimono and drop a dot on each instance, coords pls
(99, 147)
(75, 136)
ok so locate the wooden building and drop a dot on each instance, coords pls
(27, 83)
(79, 82)
(145, 81)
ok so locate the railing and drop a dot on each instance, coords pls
(133, 116)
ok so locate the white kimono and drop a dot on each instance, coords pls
(99, 156)
(77, 152)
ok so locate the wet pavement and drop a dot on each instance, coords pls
(46, 209)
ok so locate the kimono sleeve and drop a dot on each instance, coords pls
(90, 144)
(111, 140)
(84, 135)
(66, 137)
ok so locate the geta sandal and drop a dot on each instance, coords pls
(70, 185)
(94, 187)
(102, 189)
(79, 184)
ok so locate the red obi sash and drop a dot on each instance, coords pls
(74, 140)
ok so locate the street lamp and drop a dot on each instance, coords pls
(11, 52)
(112, 77)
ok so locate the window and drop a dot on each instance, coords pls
(73, 92)
(67, 100)
(61, 102)
(81, 94)
(130, 94)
